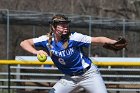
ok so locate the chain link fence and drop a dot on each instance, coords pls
(16, 26)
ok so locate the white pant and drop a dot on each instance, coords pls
(91, 81)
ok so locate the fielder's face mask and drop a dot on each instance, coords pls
(60, 19)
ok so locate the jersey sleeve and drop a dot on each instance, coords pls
(40, 41)
(79, 39)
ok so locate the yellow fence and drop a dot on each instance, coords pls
(105, 63)
(116, 78)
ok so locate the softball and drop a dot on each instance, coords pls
(42, 58)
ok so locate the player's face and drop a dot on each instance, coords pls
(62, 28)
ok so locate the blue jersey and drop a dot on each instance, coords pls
(71, 59)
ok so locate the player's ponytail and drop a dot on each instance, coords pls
(49, 41)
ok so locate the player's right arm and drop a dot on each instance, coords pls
(28, 45)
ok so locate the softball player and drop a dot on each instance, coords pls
(65, 49)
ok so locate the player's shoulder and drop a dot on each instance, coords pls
(41, 38)
(75, 35)
(44, 37)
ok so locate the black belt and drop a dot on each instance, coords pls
(80, 72)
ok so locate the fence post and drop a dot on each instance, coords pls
(123, 52)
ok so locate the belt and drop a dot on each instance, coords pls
(80, 72)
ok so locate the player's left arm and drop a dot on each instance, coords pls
(102, 40)
(115, 45)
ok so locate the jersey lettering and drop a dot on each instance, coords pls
(63, 53)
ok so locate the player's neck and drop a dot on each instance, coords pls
(57, 38)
